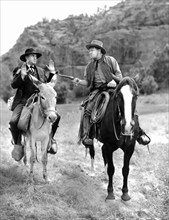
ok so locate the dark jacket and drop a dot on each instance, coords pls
(25, 88)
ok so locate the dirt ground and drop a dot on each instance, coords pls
(74, 192)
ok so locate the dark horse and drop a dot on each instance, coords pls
(119, 129)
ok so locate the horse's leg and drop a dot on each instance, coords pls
(32, 157)
(125, 171)
(110, 170)
(45, 158)
(105, 161)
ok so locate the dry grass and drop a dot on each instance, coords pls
(73, 193)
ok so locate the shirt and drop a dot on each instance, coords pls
(108, 66)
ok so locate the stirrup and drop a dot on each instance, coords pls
(53, 148)
(87, 141)
(141, 141)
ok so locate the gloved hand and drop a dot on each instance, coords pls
(112, 84)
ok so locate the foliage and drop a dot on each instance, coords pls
(149, 85)
(160, 67)
(62, 91)
(80, 91)
(5, 80)
(145, 81)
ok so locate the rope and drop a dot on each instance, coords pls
(100, 107)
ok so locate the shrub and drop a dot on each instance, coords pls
(80, 91)
(5, 83)
(149, 85)
(62, 91)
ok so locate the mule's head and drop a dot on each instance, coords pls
(127, 93)
(47, 101)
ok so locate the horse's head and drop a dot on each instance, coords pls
(126, 96)
(47, 101)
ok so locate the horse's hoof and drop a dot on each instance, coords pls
(110, 196)
(125, 197)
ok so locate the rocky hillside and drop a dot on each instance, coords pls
(132, 30)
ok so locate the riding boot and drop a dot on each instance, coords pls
(18, 150)
(15, 134)
(142, 138)
(86, 140)
(53, 147)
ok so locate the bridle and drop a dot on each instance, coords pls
(44, 112)
(126, 81)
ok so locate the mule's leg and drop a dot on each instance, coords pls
(26, 144)
(92, 154)
(32, 157)
(45, 159)
(125, 171)
(110, 171)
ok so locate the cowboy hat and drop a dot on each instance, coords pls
(28, 52)
(97, 44)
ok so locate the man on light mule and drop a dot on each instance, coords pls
(25, 88)
(100, 71)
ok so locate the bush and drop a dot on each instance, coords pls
(149, 85)
(62, 91)
(144, 78)
(80, 91)
(5, 83)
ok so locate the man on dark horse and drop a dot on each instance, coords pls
(25, 88)
(101, 70)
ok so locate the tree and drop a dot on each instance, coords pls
(5, 83)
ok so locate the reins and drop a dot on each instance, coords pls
(134, 86)
(44, 112)
(114, 99)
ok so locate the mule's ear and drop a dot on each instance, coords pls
(35, 80)
(53, 81)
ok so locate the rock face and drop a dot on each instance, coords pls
(132, 30)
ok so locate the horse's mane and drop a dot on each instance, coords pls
(127, 81)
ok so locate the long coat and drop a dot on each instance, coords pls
(25, 88)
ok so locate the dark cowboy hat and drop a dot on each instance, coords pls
(28, 52)
(97, 44)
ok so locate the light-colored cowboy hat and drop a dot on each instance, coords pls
(97, 44)
(28, 52)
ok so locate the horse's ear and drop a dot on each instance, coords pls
(137, 78)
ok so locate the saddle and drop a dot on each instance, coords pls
(24, 120)
(96, 115)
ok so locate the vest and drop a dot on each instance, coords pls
(106, 67)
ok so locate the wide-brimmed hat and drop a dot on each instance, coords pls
(28, 52)
(97, 44)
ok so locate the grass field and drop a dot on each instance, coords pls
(74, 193)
